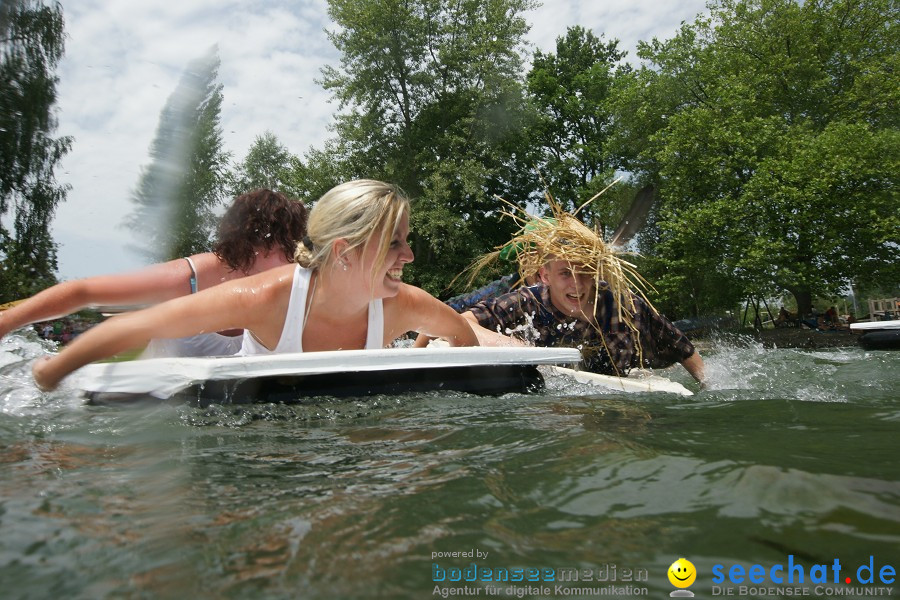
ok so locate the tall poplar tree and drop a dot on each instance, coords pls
(178, 192)
(31, 46)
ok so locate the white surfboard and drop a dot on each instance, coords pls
(640, 383)
(369, 370)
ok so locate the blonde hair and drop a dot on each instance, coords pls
(357, 212)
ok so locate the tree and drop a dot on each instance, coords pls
(268, 165)
(571, 90)
(178, 192)
(432, 101)
(31, 46)
(772, 127)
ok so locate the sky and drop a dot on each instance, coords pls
(124, 59)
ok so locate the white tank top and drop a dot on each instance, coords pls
(292, 331)
(204, 344)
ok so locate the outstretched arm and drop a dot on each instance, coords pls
(414, 309)
(422, 341)
(694, 365)
(252, 303)
(156, 283)
(486, 337)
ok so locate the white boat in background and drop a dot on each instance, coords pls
(878, 335)
(875, 325)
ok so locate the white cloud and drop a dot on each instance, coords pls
(629, 22)
(124, 59)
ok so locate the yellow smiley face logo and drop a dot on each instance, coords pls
(682, 573)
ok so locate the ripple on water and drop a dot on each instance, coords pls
(788, 452)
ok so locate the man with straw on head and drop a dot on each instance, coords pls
(588, 298)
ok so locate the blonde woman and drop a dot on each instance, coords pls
(344, 293)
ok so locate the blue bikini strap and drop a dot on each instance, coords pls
(193, 278)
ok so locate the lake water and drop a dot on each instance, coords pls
(790, 458)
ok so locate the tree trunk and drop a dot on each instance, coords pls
(803, 296)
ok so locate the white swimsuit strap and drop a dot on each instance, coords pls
(375, 333)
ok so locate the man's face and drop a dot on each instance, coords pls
(571, 288)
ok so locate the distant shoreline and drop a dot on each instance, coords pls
(793, 337)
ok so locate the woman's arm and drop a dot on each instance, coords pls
(252, 303)
(414, 309)
(154, 284)
(486, 337)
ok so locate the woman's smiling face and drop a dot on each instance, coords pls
(389, 275)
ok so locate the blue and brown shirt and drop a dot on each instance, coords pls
(610, 349)
(498, 287)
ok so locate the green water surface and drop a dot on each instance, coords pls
(789, 454)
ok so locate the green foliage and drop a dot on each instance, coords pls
(772, 127)
(431, 100)
(321, 171)
(571, 134)
(31, 45)
(186, 180)
(268, 165)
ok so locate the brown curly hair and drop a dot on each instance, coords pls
(259, 219)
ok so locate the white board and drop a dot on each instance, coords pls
(875, 325)
(643, 383)
(163, 377)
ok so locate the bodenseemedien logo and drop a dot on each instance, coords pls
(681, 575)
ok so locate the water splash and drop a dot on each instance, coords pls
(18, 394)
(741, 368)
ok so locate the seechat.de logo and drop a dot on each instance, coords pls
(682, 575)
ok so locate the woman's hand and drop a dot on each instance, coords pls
(41, 371)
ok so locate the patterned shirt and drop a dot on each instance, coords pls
(527, 313)
(498, 287)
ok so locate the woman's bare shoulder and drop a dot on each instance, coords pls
(409, 296)
(271, 281)
(413, 305)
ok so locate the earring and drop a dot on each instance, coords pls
(343, 264)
